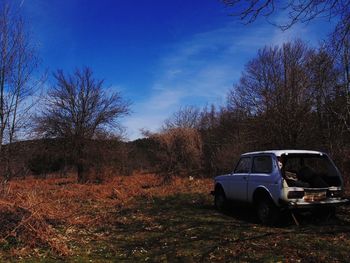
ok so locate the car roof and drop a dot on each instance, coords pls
(282, 152)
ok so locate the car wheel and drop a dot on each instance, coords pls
(267, 212)
(220, 200)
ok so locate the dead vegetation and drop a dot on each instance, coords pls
(141, 218)
(39, 215)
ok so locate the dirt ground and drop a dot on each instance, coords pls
(138, 218)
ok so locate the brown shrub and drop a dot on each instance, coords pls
(179, 151)
(33, 209)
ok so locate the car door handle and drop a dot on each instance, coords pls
(245, 177)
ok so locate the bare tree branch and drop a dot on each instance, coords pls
(78, 108)
(18, 62)
(298, 11)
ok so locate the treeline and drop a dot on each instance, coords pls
(54, 157)
(288, 97)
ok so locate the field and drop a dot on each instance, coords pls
(139, 218)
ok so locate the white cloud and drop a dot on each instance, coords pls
(203, 68)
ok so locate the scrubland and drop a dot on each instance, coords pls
(141, 218)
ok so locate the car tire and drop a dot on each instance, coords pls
(220, 200)
(267, 212)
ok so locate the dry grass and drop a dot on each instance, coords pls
(139, 218)
(38, 214)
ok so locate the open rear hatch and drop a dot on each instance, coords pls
(314, 172)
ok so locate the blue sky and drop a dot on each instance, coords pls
(160, 54)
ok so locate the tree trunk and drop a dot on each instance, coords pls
(81, 172)
(80, 161)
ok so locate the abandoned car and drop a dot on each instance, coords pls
(279, 180)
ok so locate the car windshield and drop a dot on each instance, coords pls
(309, 170)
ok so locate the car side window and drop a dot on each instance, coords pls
(243, 165)
(262, 164)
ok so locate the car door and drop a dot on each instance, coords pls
(238, 181)
(262, 174)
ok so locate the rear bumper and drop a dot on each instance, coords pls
(314, 204)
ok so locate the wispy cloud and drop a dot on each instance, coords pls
(201, 70)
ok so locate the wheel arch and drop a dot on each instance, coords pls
(218, 187)
(261, 192)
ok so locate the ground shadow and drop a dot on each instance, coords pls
(187, 226)
(247, 214)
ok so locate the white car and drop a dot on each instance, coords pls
(283, 179)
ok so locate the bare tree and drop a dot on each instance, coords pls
(185, 117)
(224, 138)
(275, 90)
(298, 10)
(343, 88)
(18, 62)
(336, 68)
(323, 78)
(302, 11)
(78, 109)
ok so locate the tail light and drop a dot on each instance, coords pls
(295, 194)
(335, 193)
